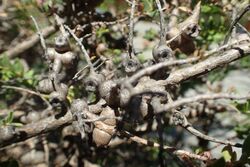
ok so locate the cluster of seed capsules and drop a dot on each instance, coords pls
(133, 101)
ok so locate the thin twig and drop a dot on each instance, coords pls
(78, 74)
(162, 23)
(101, 118)
(96, 68)
(178, 118)
(131, 30)
(181, 153)
(79, 42)
(181, 31)
(28, 91)
(107, 23)
(219, 144)
(183, 122)
(42, 43)
(37, 128)
(207, 65)
(200, 98)
(244, 29)
(178, 34)
(197, 133)
(151, 69)
(223, 47)
(235, 21)
(60, 23)
(40, 35)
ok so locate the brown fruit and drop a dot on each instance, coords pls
(67, 58)
(162, 53)
(78, 105)
(100, 137)
(92, 82)
(109, 92)
(61, 44)
(6, 132)
(107, 111)
(131, 65)
(45, 86)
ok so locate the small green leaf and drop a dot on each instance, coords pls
(9, 118)
(117, 52)
(210, 9)
(71, 94)
(4, 61)
(198, 150)
(243, 130)
(243, 107)
(16, 124)
(29, 74)
(17, 67)
(101, 31)
(148, 5)
(205, 9)
(91, 97)
(150, 34)
(228, 154)
(141, 58)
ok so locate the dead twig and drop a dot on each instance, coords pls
(151, 69)
(235, 21)
(200, 98)
(197, 133)
(131, 30)
(224, 47)
(40, 35)
(178, 118)
(101, 118)
(181, 153)
(79, 42)
(162, 23)
(107, 23)
(28, 91)
(37, 128)
(60, 23)
(207, 65)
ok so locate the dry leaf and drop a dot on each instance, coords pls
(186, 31)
